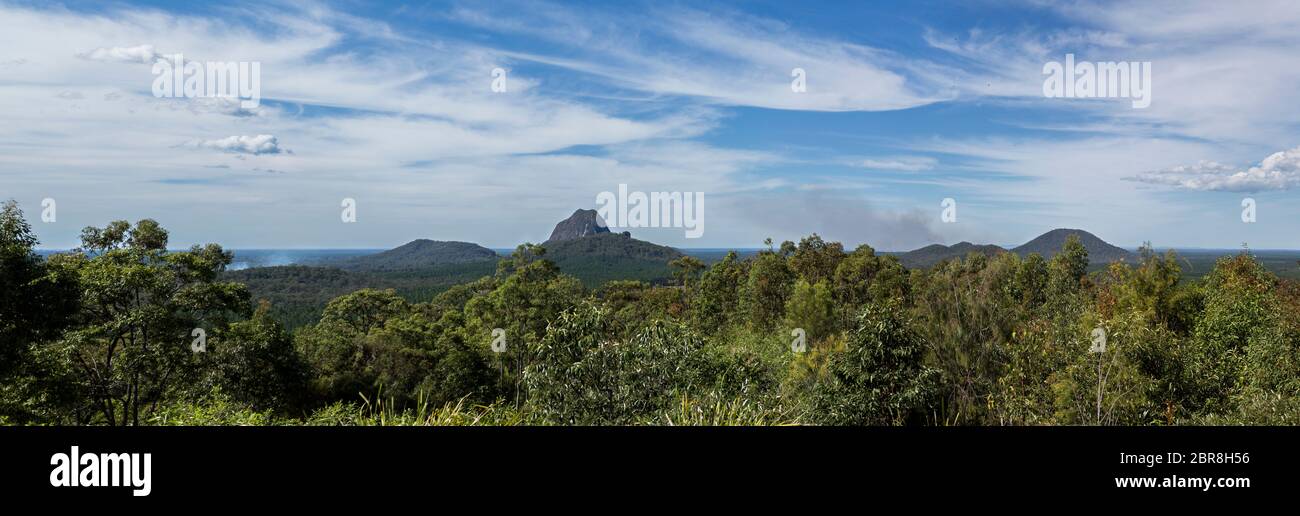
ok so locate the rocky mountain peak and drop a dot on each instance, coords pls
(582, 223)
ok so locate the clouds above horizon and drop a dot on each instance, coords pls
(1279, 171)
(395, 108)
(904, 163)
(255, 145)
(721, 57)
(137, 54)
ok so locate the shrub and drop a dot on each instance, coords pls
(880, 378)
(578, 376)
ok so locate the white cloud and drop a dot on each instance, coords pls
(1219, 72)
(727, 59)
(256, 145)
(1279, 171)
(137, 54)
(407, 123)
(411, 130)
(901, 163)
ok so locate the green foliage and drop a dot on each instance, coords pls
(361, 311)
(627, 304)
(855, 275)
(103, 336)
(803, 371)
(714, 411)
(880, 378)
(970, 312)
(531, 293)
(298, 293)
(141, 306)
(255, 363)
(717, 300)
(863, 277)
(1241, 310)
(1150, 289)
(579, 377)
(686, 269)
(371, 342)
(1067, 270)
(1108, 388)
(380, 413)
(811, 308)
(215, 409)
(767, 289)
(1031, 280)
(36, 301)
(816, 260)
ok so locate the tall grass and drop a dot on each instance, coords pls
(713, 411)
(380, 412)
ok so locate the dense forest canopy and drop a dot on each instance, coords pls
(123, 331)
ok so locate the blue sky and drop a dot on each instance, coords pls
(907, 103)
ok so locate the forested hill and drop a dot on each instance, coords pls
(931, 255)
(1099, 252)
(602, 257)
(298, 293)
(421, 269)
(420, 254)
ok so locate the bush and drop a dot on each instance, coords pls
(577, 376)
(880, 378)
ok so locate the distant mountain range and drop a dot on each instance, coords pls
(1046, 245)
(580, 245)
(583, 246)
(932, 254)
(587, 250)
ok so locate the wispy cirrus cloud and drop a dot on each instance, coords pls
(397, 112)
(136, 54)
(900, 163)
(356, 114)
(722, 57)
